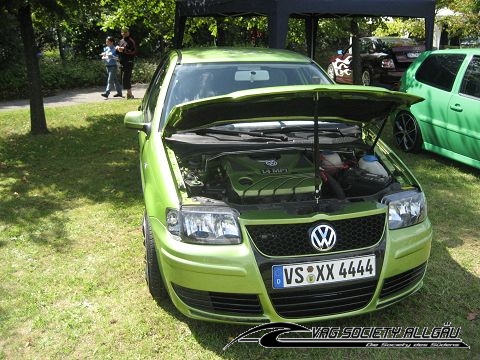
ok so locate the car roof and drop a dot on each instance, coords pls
(209, 55)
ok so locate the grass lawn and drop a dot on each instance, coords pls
(71, 253)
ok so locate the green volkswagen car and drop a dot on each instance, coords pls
(448, 121)
(269, 195)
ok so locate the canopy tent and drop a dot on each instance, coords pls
(279, 11)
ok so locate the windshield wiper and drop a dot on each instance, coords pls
(288, 129)
(259, 134)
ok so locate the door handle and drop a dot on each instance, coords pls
(456, 107)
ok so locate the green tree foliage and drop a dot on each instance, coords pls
(413, 28)
(464, 23)
(82, 29)
(466, 20)
(76, 29)
(151, 22)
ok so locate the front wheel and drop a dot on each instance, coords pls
(331, 72)
(366, 78)
(152, 270)
(406, 132)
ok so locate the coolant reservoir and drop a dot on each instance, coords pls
(370, 164)
(331, 161)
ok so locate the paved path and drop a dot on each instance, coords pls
(71, 97)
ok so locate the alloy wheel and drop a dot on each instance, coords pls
(331, 72)
(406, 132)
(366, 78)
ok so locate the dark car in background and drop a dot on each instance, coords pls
(383, 61)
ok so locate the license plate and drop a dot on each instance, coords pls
(323, 272)
(413, 55)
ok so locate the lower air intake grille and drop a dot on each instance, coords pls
(220, 303)
(398, 283)
(323, 301)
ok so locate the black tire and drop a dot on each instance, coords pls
(406, 132)
(331, 72)
(366, 77)
(153, 276)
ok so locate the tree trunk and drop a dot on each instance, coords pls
(356, 61)
(61, 49)
(220, 22)
(38, 122)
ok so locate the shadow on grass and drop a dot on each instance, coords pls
(46, 176)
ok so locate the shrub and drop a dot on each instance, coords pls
(143, 70)
(57, 75)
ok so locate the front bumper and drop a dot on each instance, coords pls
(233, 283)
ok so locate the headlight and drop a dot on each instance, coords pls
(405, 208)
(388, 64)
(210, 225)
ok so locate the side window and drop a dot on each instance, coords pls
(154, 90)
(365, 46)
(471, 79)
(440, 70)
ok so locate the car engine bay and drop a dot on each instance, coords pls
(282, 175)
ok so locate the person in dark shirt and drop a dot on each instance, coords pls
(127, 48)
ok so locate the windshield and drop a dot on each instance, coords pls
(198, 81)
(389, 43)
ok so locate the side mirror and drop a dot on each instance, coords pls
(134, 120)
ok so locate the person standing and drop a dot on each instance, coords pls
(109, 56)
(127, 49)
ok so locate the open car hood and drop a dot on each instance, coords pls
(338, 103)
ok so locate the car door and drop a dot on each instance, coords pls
(464, 114)
(435, 82)
(369, 53)
(340, 67)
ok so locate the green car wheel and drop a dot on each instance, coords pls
(152, 270)
(407, 132)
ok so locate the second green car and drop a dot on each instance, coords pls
(448, 121)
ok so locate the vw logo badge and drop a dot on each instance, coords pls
(271, 162)
(323, 237)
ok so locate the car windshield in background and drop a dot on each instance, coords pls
(198, 81)
(389, 43)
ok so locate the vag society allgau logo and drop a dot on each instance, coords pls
(323, 237)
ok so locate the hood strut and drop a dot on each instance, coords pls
(316, 147)
(379, 133)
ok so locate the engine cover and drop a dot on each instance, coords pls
(270, 174)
